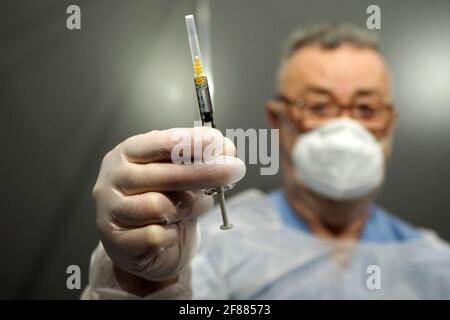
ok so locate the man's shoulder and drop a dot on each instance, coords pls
(422, 240)
(386, 227)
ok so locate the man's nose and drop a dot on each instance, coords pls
(345, 111)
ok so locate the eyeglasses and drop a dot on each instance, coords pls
(371, 111)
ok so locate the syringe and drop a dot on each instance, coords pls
(205, 106)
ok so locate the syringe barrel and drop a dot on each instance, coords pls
(204, 102)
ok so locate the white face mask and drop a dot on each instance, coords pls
(340, 160)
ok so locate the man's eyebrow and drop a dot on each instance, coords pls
(319, 90)
(367, 92)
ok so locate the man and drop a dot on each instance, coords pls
(322, 236)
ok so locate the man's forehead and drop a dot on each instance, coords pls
(345, 68)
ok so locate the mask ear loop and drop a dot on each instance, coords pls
(289, 124)
(280, 99)
(285, 119)
(386, 143)
(388, 128)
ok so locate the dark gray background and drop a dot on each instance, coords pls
(67, 97)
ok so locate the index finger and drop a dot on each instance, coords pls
(158, 145)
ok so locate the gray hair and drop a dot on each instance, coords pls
(328, 36)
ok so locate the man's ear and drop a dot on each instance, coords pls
(393, 123)
(390, 132)
(274, 110)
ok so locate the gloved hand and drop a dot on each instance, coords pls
(147, 206)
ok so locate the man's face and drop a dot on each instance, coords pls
(314, 82)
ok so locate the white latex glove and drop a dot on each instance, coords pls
(147, 206)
